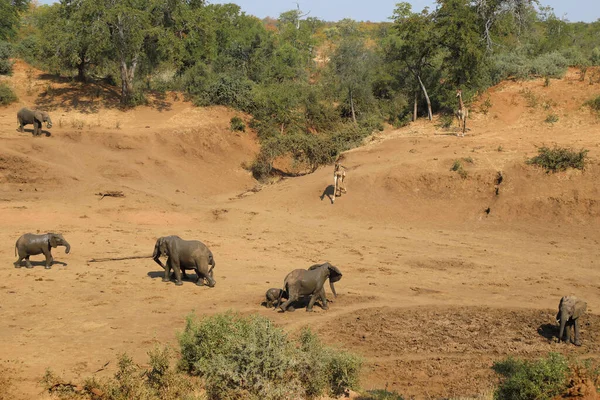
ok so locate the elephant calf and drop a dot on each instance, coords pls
(31, 245)
(25, 116)
(273, 297)
(570, 309)
(184, 254)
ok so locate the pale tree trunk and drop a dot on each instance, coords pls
(429, 113)
(415, 110)
(352, 107)
(127, 74)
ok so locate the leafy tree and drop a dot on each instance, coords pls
(351, 71)
(9, 17)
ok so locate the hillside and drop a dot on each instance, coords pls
(434, 288)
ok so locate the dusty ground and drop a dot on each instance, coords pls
(434, 289)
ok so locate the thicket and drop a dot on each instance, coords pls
(559, 158)
(542, 379)
(313, 88)
(7, 96)
(248, 357)
(230, 357)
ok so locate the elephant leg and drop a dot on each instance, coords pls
(177, 270)
(27, 262)
(167, 277)
(576, 328)
(203, 272)
(311, 303)
(17, 263)
(49, 260)
(323, 297)
(286, 306)
(568, 331)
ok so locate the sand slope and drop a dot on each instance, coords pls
(434, 289)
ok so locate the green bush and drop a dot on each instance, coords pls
(543, 379)
(551, 118)
(380, 394)
(594, 104)
(5, 55)
(237, 124)
(553, 65)
(595, 57)
(7, 96)
(227, 90)
(160, 382)
(250, 358)
(559, 158)
(457, 167)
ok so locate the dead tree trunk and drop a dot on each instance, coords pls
(352, 107)
(429, 113)
(416, 105)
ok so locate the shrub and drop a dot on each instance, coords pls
(553, 65)
(227, 90)
(237, 124)
(594, 104)
(248, 357)
(528, 380)
(160, 382)
(457, 166)
(595, 57)
(559, 158)
(5, 54)
(7, 96)
(530, 98)
(380, 394)
(551, 118)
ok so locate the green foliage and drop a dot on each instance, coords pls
(5, 54)
(594, 104)
(130, 381)
(237, 124)
(551, 118)
(457, 166)
(248, 357)
(227, 90)
(10, 17)
(7, 96)
(559, 158)
(552, 65)
(543, 379)
(381, 394)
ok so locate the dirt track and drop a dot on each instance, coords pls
(434, 288)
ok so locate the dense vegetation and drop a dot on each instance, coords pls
(313, 88)
(235, 357)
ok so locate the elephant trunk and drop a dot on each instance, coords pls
(68, 247)
(563, 322)
(48, 122)
(332, 288)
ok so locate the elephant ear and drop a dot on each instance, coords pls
(52, 240)
(334, 273)
(156, 252)
(38, 116)
(315, 266)
(579, 309)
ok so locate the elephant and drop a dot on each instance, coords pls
(570, 309)
(25, 116)
(273, 297)
(30, 245)
(302, 282)
(184, 254)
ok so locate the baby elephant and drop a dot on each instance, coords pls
(273, 297)
(570, 309)
(25, 116)
(30, 245)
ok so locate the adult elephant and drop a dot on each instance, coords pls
(25, 116)
(302, 282)
(184, 254)
(31, 245)
(570, 309)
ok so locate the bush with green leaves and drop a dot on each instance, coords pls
(594, 104)
(160, 382)
(237, 124)
(227, 90)
(553, 65)
(543, 379)
(248, 357)
(5, 55)
(7, 96)
(559, 158)
(457, 166)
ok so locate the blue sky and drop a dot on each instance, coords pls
(380, 10)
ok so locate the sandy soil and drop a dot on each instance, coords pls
(435, 287)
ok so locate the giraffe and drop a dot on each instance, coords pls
(462, 113)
